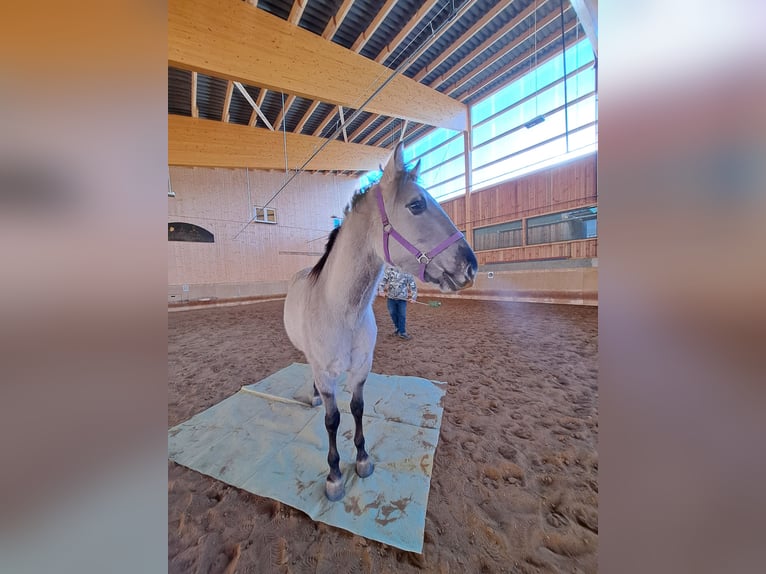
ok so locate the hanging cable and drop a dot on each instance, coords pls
(284, 132)
(249, 197)
(564, 59)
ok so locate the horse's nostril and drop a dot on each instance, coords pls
(471, 265)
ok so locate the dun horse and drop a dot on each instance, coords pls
(328, 310)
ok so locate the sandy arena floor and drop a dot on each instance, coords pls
(515, 478)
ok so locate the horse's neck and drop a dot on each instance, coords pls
(353, 267)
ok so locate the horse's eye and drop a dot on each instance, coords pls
(418, 206)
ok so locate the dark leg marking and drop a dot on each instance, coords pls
(334, 485)
(364, 466)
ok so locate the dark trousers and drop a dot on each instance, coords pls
(397, 308)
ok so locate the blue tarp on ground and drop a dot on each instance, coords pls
(266, 439)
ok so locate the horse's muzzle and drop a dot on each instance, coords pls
(471, 265)
(464, 278)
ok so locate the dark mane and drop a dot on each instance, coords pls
(358, 196)
(317, 269)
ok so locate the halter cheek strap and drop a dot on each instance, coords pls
(422, 257)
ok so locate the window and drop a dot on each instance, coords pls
(264, 214)
(565, 226)
(180, 231)
(523, 127)
(442, 162)
(506, 140)
(498, 236)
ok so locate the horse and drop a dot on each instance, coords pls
(328, 309)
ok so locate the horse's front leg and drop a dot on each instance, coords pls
(334, 485)
(364, 465)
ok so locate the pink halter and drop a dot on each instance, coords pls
(422, 257)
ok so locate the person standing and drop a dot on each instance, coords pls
(398, 286)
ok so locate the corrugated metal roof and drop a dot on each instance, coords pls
(179, 92)
(239, 109)
(390, 26)
(317, 118)
(317, 14)
(211, 93)
(278, 8)
(412, 41)
(356, 21)
(296, 112)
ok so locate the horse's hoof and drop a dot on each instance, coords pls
(334, 490)
(316, 401)
(364, 468)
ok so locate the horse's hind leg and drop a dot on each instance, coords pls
(316, 400)
(364, 465)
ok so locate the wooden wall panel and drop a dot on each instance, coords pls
(558, 188)
(209, 143)
(586, 248)
(217, 199)
(456, 211)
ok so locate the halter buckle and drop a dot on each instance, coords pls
(423, 259)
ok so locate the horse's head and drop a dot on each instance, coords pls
(418, 236)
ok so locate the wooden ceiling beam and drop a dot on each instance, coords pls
(365, 36)
(194, 107)
(404, 32)
(343, 123)
(434, 37)
(389, 125)
(470, 33)
(328, 118)
(227, 101)
(217, 37)
(328, 33)
(210, 143)
(306, 116)
(422, 49)
(297, 11)
(256, 106)
(392, 47)
(337, 20)
(283, 112)
(365, 124)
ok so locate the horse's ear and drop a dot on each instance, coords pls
(395, 165)
(416, 170)
(399, 157)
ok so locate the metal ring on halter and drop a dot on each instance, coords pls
(423, 256)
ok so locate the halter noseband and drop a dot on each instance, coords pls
(422, 257)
